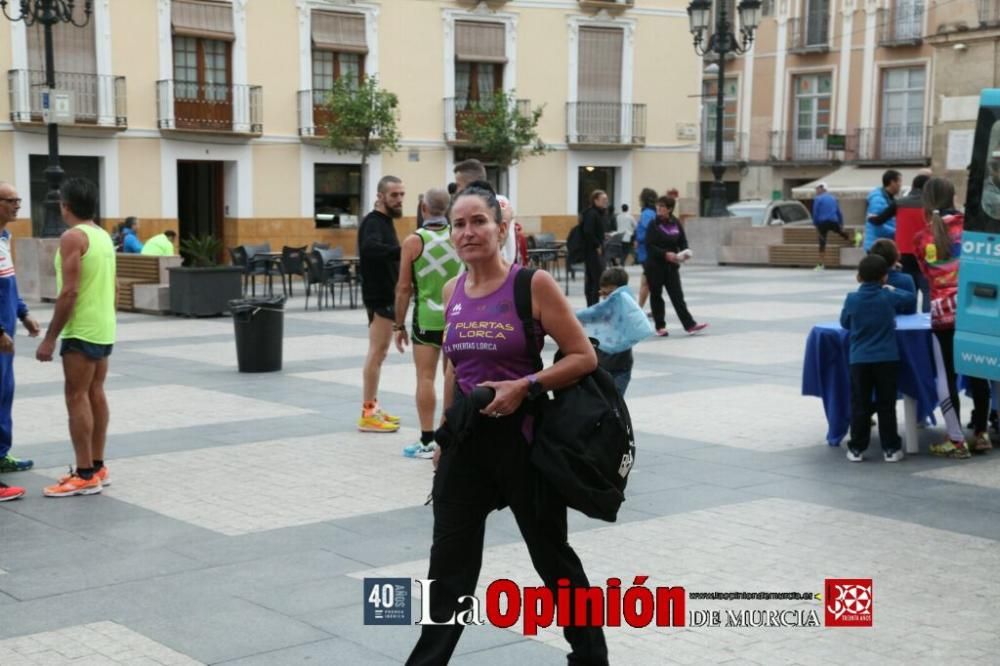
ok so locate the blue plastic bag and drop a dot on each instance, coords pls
(617, 322)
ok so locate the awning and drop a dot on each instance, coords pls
(339, 31)
(476, 41)
(208, 20)
(852, 182)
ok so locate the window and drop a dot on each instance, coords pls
(74, 48)
(337, 193)
(339, 48)
(813, 99)
(908, 19)
(599, 74)
(902, 128)
(480, 56)
(74, 166)
(990, 201)
(817, 22)
(201, 69)
(730, 94)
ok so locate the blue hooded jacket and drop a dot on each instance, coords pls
(878, 201)
(131, 242)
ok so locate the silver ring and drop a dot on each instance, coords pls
(496, 415)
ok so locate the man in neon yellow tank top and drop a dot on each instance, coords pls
(85, 319)
(427, 261)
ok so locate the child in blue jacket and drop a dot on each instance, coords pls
(870, 315)
(896, 278)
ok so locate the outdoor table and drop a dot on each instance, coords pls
(559, 251)
(826, 375)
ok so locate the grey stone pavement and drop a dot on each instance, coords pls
(245, 510)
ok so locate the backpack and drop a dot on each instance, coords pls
(574, 244)
(584, 444)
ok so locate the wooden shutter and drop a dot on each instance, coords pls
(74, 48)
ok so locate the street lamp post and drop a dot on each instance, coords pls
(721, 42)
(48, 13)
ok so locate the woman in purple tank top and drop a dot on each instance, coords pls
(483, 462)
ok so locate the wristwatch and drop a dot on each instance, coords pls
(398, 327)
(535, 387)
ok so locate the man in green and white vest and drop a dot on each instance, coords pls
(427, 261)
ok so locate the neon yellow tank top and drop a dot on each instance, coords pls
(93, 318)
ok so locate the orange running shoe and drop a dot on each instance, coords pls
(74, 485)
(102, 474)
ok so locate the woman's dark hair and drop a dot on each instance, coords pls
(669, 202)
(129, 223)
(483, 190)
(647, 197)
(938, 196)
(80, 196)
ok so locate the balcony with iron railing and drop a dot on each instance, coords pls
(989, 12)
(458, 113)
(797, 147)
(900, 144)
(209, 107)
(605, 124)
(809, 34)
(313, 114)
(901, 25)
(98, 100)
(732, 147)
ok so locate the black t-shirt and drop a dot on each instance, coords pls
(378, 251)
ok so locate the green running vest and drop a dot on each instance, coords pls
(437, 263)
(93, 317)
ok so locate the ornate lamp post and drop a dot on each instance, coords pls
(48, 13)
(724, 40)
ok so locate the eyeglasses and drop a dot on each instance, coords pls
(13, 201)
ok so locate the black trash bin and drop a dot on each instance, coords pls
(260, 326)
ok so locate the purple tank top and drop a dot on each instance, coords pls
(484, 338)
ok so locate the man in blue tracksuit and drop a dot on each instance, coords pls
(12, 308)
(826, 217)
(880, 216)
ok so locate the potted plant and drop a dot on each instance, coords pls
(201, 287)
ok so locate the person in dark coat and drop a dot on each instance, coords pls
(592, 228)
(666, 250)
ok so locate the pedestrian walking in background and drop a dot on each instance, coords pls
(626, 227)
(667, 249)
(827, 218)
(378, 252)
(647, 201)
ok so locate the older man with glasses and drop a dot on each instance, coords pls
(12, 308)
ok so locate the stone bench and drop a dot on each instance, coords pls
(143, 282)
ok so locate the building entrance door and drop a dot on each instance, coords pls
(592, 178)
(200, 199)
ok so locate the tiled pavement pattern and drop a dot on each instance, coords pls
(245, 507)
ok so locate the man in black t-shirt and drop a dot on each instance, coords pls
(378, 252)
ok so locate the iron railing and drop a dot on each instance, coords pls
(892, 144)
(98, 99)
(989, 12)
(902, 24)
(810, 34)
(792, 146)
(732, 146)
(605, 123)
(209, 107)
(458, 112)
(313, 115)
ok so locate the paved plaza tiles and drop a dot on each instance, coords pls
(246, 509)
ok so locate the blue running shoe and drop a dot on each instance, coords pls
(419, 450)
(12, 464)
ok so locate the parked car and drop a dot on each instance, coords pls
(764, 213)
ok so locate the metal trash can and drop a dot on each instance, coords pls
(260, 327)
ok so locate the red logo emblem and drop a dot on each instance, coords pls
(849, 602)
